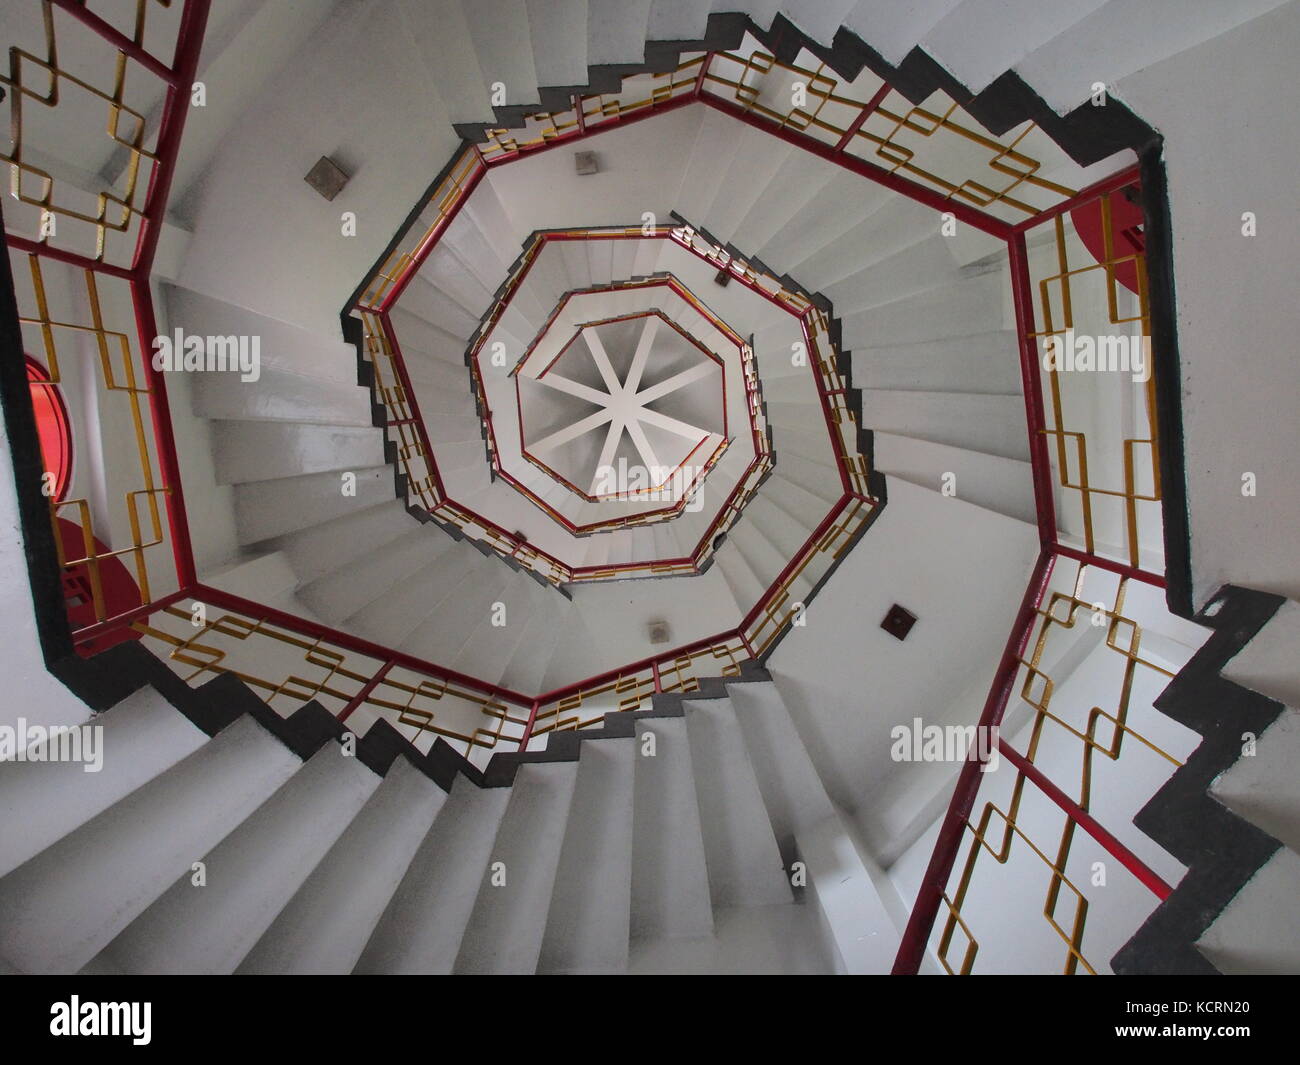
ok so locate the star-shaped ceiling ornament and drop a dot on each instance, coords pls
(630, 407)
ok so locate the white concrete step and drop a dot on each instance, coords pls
(624, 261)
(264, 578)
(421, 929)
(440, 388)
(616, 31)
(451, 275)
(423, 300)
(1121, 37)
(283, 348)
(559, 37)
(994, 425)
(971, 305)
(576, 265)
(1000, 484)
(792, 790)
(280, 396)
(420, 339)
(811, 227)
(251, 875)
(745, 586)
(331, 545)
(786, 534)
(802, 410)
(489, 648)
(587, 927)
(265, 451)
(438, 638)
(705, 177)
(981, 362)
(1268, 664)
(896, 227)
(815, 477)
(744, 863)
(757, 161)
(505, 931)
(527, 666)
(342, 593)
(809, 440)
(915, 268)
(677, 20)
(1265, 788)
(600, 261)
(134, 851)
(972, 42)
(842, 886)
(798, 181)
(820, 20)
(441, 37)
(463, 461)
(499, 30)
(324, 928)
(273, 508)
(397, 610)
(762, 558)
(894, 30)
(747, 941)
(1258, 931)
(670, 881)
(453, 429)
(485, 237)
(41, 802)
(797, 502)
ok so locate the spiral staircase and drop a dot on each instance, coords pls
(390, 695)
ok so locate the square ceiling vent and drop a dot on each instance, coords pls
(326, 177)
(585, 162)
(898, 622)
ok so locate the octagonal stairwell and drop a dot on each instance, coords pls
(696, 850)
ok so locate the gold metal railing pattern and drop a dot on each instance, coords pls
(442, 204)
(99, 222)
(134, 506)
(680, 672)
(403, 426)
(637, 93)
(843, 423)
(1064, 611)
(288, 669)
(1075, 296)
(777, 610)
(1080, 730)
(936, 144)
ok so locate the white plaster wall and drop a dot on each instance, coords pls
(1219, 105)
(847, 682)
(263, 239)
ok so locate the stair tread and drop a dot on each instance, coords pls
(744, 864)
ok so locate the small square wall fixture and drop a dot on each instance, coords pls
(898, 622)
(585, 162)
(327, 177)
(659, 632)
(723, 278)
